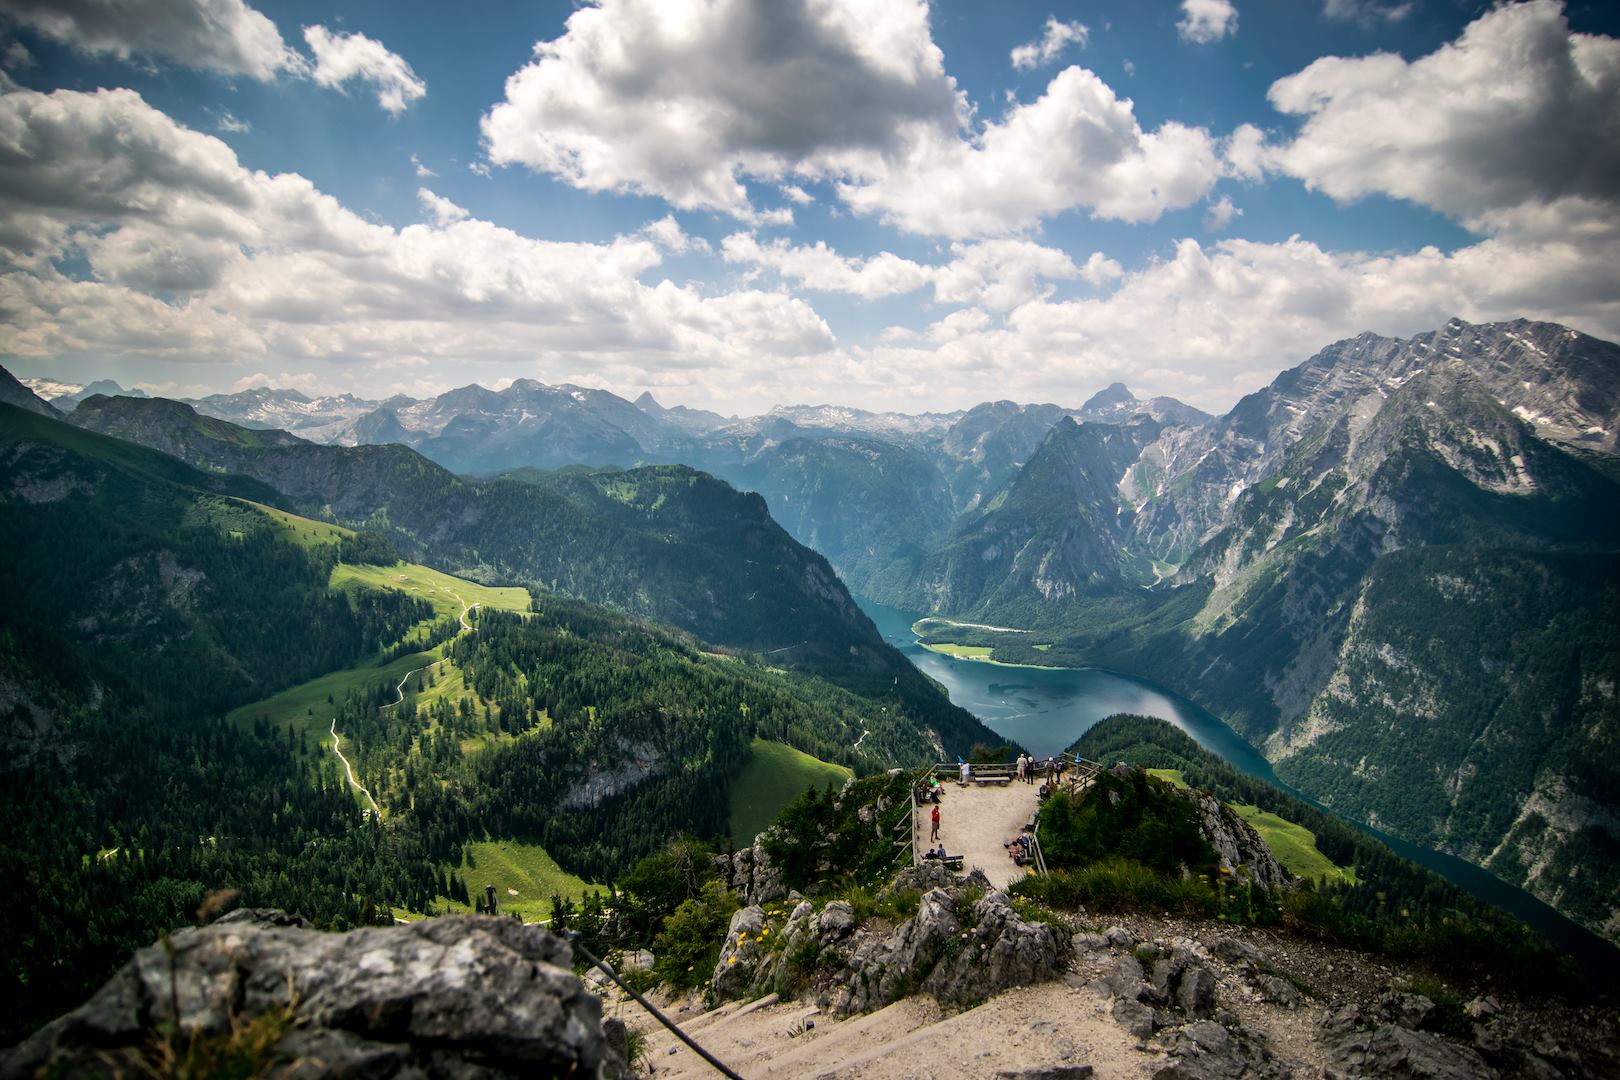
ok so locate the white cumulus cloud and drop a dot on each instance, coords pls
(1058, 36)
(819, 267)
(684, 99)
(1203, 21)
(1221, 214)
(690, 101)
(193, 257)
(340, 58)
(1517, 112)
(225, 36)
(1077, 146)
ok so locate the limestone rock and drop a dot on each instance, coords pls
(752, 874)
(1133, 1016)
(959, 961)
(1001, 951)
(1236, 951)
(1205, 1050)
(1239, 847)
(1119, 937)
(922, 877)
(1390, 1050)
(835, 923)
(1179, 976)
(1407, 1010)
(1124, 980)
(455, 996)
(1195, 992)
(1277, 991)
(740, 953)
(882, 970)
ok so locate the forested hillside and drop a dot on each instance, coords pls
(1390, 905)
(599, 736)
(148, 598)
(141, 601)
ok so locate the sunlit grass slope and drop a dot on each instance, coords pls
(774, 776)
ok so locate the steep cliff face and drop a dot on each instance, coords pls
(868, 506)
(1563, 384)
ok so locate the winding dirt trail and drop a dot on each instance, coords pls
(348, 770)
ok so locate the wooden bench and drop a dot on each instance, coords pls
(952, 862)
(992, 779)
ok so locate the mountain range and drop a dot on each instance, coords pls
(1394, 569)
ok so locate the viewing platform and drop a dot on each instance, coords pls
(978, 819)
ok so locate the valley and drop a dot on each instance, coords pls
(543, 675)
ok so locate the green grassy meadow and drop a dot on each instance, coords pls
(961, 652)
(308, 706)
(1172, 775)
(1294, 845)
(774, 776)
(306, 532)
(524, 876)
(445, 592)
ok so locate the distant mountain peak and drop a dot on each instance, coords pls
(647, 403)
(1112, 396)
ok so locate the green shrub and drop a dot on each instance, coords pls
(1135, 817)
(1119, 884)
(823, 846)
(688, 948)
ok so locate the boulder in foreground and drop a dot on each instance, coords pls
(456, 996)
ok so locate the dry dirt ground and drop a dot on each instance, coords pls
(976, 821)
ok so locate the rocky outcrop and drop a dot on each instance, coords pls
(999, 950)
(1389, 1041)
(751, 875)
(1241, 850)
(964, 944)
(1152, 985)
(1205, 1050)
(739, 953)
(958, 957)
(449, 997)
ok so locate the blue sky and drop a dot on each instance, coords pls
(882, 203)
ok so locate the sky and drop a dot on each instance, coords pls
(735, 204)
